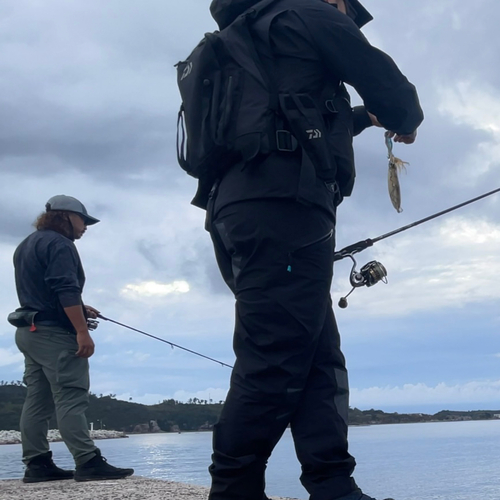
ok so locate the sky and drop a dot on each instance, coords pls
(89, 102)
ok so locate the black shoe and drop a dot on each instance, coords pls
(359, 495)
(98, 469)
(42, 468)
(366, 497)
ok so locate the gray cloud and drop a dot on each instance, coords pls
(88, 104)
(13, 227)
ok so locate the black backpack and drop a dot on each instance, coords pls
(231, 109)
(229, 106)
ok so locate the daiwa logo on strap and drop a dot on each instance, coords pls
(187, 71)
(314, 134)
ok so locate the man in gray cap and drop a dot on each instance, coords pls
(53, 334)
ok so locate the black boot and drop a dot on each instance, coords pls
(42, 468)
(98, 469)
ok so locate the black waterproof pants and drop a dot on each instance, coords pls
(277, 258)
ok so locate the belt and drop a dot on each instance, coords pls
(48, 323)
(50, 316)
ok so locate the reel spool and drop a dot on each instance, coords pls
(92, 324)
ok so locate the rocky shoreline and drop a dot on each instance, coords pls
(14, 437)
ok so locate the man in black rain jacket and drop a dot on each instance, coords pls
(272, 221)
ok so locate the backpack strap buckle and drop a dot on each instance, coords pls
(334, 188)
(285, 141)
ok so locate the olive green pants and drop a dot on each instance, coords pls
(57, 380)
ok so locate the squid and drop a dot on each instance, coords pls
(396, 166)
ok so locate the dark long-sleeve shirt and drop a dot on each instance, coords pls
(49, 275)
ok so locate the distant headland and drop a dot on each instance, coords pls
(109, 413)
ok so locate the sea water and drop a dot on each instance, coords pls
(427, 461)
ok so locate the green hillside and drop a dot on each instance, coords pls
(173, 416)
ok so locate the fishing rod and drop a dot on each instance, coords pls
(171, 344)
(373, 272)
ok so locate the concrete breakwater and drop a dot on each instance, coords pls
(14, 437)
(132, 488)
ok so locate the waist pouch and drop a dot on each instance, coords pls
(20, 318)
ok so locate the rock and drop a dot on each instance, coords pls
(14, 437)
(141, 428)
(152, 426)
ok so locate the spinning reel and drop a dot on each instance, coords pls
(370, 274)
(92, 324)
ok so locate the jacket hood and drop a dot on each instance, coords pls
(226, 11)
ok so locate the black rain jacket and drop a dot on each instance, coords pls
(315, 46)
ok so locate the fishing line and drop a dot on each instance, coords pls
(171, 344)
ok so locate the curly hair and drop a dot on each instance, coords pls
(57, 220)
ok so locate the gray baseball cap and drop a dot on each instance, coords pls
(70, 204)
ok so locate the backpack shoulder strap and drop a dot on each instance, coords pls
(244, 43)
